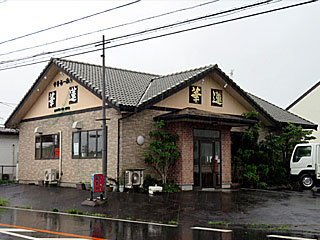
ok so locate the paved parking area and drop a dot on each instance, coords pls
(295, 210)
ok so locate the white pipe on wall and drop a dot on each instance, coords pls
(60, 155)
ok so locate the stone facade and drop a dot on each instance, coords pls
(131, 154)
(73, 170)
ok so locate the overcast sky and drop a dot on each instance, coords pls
(274, 56)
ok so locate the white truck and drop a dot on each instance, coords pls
(305, 164)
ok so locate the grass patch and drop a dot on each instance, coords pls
(23, 207)
(98, 215)
(173, 222)
(218, 223)
(3, 202)
(54, 210)
(6, 182)
(74, 210)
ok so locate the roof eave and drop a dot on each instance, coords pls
(8, 123)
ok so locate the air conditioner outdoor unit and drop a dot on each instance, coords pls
(133, 177)
(50, 175)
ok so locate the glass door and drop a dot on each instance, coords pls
(206, 169)
(207, 166)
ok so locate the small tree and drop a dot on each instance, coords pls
(163, 151)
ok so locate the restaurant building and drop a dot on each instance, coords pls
(59, 121)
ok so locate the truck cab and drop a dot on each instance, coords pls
(304, 164)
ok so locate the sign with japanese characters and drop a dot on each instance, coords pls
(61, 82)
(195, 94)
(52, 99)
(73, 94)
(216, 97)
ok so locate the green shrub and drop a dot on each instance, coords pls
(150, 181)
(170, 187)
(54, 210)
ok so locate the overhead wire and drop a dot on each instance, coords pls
(69, 22)
(180, 31)
(156, 29)
(109, 28)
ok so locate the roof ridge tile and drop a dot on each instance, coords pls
(96, 65)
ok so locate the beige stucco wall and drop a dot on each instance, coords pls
(74, 170)
(309, 109)
(181, 99)
(85, 98)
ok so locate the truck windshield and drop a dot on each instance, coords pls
(302, 151)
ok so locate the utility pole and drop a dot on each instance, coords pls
(104, 128)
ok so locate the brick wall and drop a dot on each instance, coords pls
(182, 173)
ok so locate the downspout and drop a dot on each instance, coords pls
(60, 156)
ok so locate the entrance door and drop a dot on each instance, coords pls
(206, 163)
(206, 168)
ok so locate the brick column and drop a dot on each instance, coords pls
(226, 156)
(182, 172)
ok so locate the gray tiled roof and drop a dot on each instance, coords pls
(279, 114)
(123, 87)
(163, 84)
(129, 89)
(134, 89)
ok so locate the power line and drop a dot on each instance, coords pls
(161, 28)
(109, 28)
(177, 32)
(69, 22)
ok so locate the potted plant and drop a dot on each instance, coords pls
(121, 185)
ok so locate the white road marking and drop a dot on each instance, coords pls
(14, 230)
(289, 237)
(95, 217)
(10, 231)
(212, 229)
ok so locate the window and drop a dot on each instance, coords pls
(87, 144)
(303, 151)
(47, 147)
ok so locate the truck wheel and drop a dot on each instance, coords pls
(306, 181)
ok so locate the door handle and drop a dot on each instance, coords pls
(309, 166)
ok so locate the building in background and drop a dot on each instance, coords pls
(307, 106)
(9, 148)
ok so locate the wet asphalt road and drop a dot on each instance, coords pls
(250, 214)
(60, 226)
